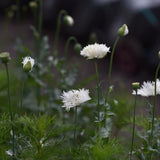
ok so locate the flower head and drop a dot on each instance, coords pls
(74, 98)
(148, 89)
(123, 31)
(28, 64)
(95, 51)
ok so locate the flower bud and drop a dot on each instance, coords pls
(135, 85)
(33, 4)
(111, 88)
(28, 64)
(68, 20)
(5, 57)
(159, 54)
(77, 48)
(123, 31)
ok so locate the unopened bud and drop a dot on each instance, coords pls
(159, 54)
(5, 57)
(135, 85)
(123, 31)
(28, 64)
(33, 4)
(77, 47)
(68, 20)
(111, 88)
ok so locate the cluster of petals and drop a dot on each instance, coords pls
(148, 89)
(95, 51)
(74, 98)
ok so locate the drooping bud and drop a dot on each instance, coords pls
(135, 85)
(68, 20)
(28, 64)
(93, 38)
(159, 54)
(77, 47)
(33, 4)
(123, 31)
(5, 57)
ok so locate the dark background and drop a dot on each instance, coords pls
(136, 55)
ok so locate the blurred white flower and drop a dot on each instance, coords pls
(74, 98)
(95, 51)
(148, 89)
(28, 63)
(9, 152)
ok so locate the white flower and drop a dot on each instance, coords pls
(28, 63)
(74, 98)
(148, 89)
(95, 51)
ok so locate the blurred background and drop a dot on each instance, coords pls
(136, 56)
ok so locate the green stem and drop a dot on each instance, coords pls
(22, 92)
(67, 45)
(21, 102)
(133, 131)
(109, 76)
(58, 27)
(154, 106)
(75, 122)
(98, 88)
(149, 125)
(10, 108)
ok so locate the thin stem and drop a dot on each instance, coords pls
(40, 18)
(149, 126)
(10, 108)
(109, 75)
(67, 45)
(58, 27)
(22, 92)
(133, 131)
(75, 122)
(154, 106)
(98, 88)
(21, 101)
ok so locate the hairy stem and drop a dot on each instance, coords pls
(154, 105)
(58, 27)
(133, 130)
(75, 122)
(109, 76)
(98, 90)
(10, 108)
